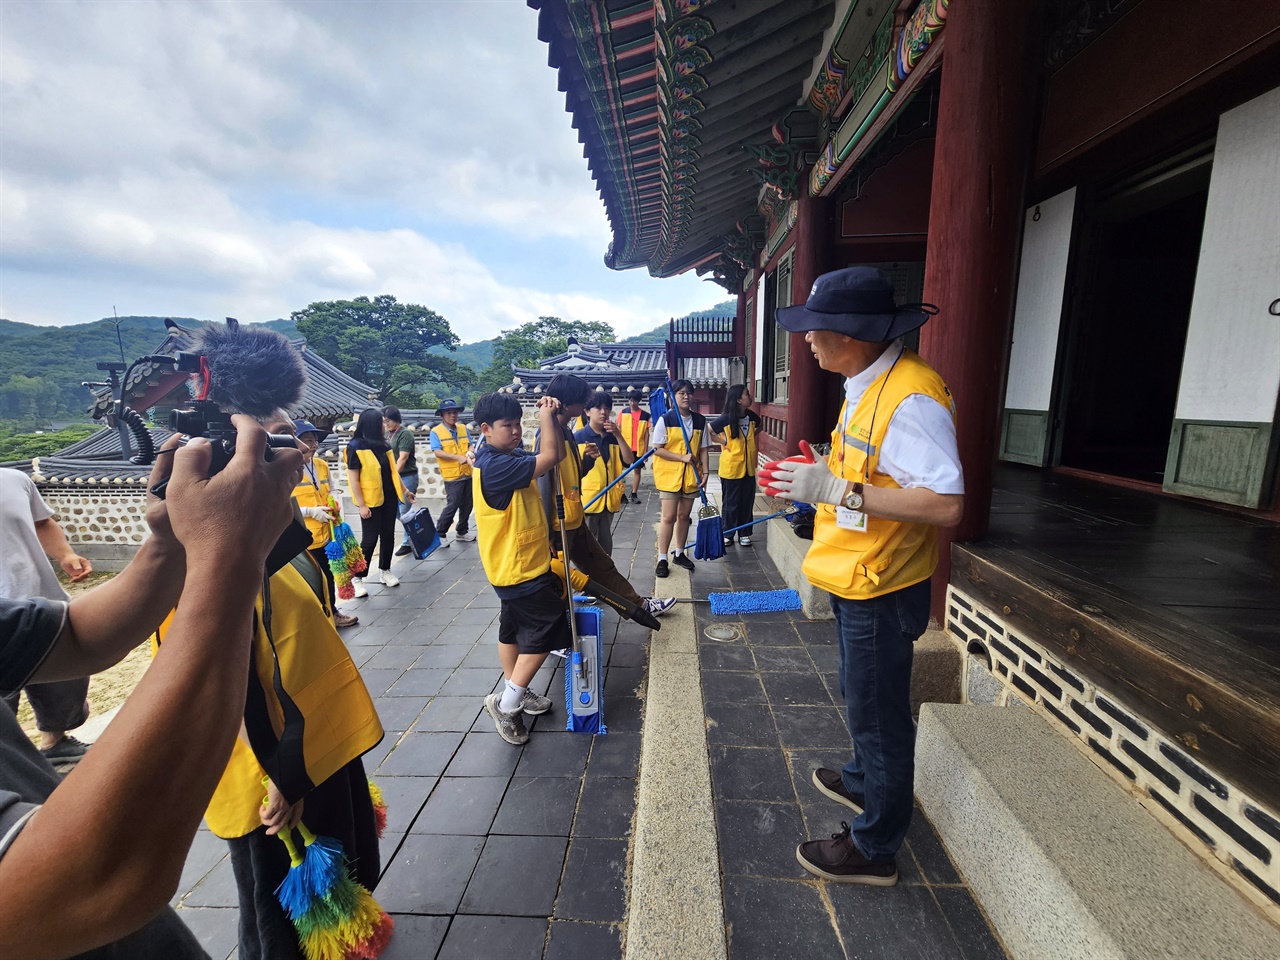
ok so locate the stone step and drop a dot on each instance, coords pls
(1065, 862)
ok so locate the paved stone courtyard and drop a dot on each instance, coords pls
(464, 806)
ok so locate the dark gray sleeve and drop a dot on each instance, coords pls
(28, 631)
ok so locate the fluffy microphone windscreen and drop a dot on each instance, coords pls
(251, 370)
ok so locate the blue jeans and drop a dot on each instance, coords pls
(876, 644)
(410, 481)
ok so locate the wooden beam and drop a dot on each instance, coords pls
(1199, 685)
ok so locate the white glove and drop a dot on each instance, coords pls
(317, 513)
(808, 481)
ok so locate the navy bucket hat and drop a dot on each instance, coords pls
(858, 303)
(450, 404)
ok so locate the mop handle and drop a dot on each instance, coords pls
(688, 443)
(749, 523)
(639, 460)
(564, 545)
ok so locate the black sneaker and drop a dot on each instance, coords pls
(832, 784)
(404, 550)
(510, 726)
(840, 860)
(66, 750)
(662, 570)
(635, 498)
(682, 560)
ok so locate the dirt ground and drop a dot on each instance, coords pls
(107, 689)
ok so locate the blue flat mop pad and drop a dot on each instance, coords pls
(759, 601)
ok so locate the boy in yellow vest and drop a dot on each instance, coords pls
(451, 443)
(893, 477)
(516, 553)
(633, 425)
(615, 456)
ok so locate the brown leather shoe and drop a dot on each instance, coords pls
(840, 860)
(343, 620)
(832, 784)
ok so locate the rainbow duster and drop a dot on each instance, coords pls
(344, 556)
(379, 807)
(335, 917)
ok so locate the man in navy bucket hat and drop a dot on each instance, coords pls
(451, 443)
(892, 478)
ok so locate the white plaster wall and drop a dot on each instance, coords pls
(1042, 279)
(1231, 370)
(759, 329)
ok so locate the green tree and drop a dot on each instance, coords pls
(382, 343)
(530, 342)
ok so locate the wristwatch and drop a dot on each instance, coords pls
(853, 499)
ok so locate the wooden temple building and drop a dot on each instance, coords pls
(1090, 192)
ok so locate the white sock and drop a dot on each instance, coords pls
(511, 698)
(676, 553)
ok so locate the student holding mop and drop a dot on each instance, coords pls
(736, 430)
(516, 552)
(615, 456)
(679, 471)
(585, 552)
(893, 477)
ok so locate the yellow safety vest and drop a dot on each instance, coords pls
(642, 432)
(449, 469)
(316, 672)
(602, 473)
(371, 477)
(570, 471)
(738, 454)
(671, 475)
(316, 494)
(514, 546)
(889, 554)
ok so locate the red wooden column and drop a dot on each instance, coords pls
(975, 216)
(807, 407)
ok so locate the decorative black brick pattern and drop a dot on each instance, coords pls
(1120, 716)
(1196, 772)
(1110, 757)
(1067, 677)
(1045, 683)
(1071, 724)
(1183, 819)
(1139, 756)
(1272, 893)
(1091, 718)
(1231, 828)
(1264, 821)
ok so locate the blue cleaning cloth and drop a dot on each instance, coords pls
(759, 601)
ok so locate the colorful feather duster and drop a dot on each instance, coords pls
(335, 917)
(345, 559)
(379, 807)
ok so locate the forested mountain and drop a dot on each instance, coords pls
(726, 308)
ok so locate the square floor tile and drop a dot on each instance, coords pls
(507, 938)
(819, 726)
(785, 659)
(516, 877)
(471, 682)
(484, 755)
(623, 682)
(415, 938)
(404, 797)
(770, 919)
(594, 881)
(615, 755)
(741, 724)
(420, 755)
(970, 927)
(605, 808)
(393, 657)
(759, 839)
(217, 928)
(418, 682)
(217, 889)
(206, 852)
(727, 686)
(904, 921)
(463, 806)
(725, 656)
(429, 874)
(554, 756)
(796, 689)
(450, 714)
(538, 806)
(398, 713)
(444, 656)
(929, 851)
(622, 655)
(578, 940)
(750, 773)
(624, 714)
(377, 681)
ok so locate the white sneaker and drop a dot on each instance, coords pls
(468, 537)
(357, 584)
(659, 605)
(388, 579)
(445, 542)
(744, 541)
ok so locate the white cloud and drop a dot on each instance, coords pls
(247, 158)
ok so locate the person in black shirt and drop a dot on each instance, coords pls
(736, 430)
(377, 491)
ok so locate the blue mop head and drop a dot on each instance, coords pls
(759, 601)
(709, 542)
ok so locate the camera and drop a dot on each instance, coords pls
(206, 419)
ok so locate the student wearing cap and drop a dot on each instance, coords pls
(400, 440)
(892, 478)
(314, 499)
(633, 425)
(451, 444)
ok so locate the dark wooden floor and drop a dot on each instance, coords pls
(1215, 566)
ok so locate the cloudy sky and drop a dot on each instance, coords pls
(248, 158)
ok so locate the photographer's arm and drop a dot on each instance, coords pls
(103, 855)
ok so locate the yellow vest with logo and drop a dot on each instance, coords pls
(371, 476)
(603, 472)
(642, 434)
(315, 494)
(672, 475)
(514, 547)
(449, 469)
(738, 454)
(316, 671)
(889, 554)
(570, 471)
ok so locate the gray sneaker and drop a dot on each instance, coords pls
(510, 726)
(534, 705)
